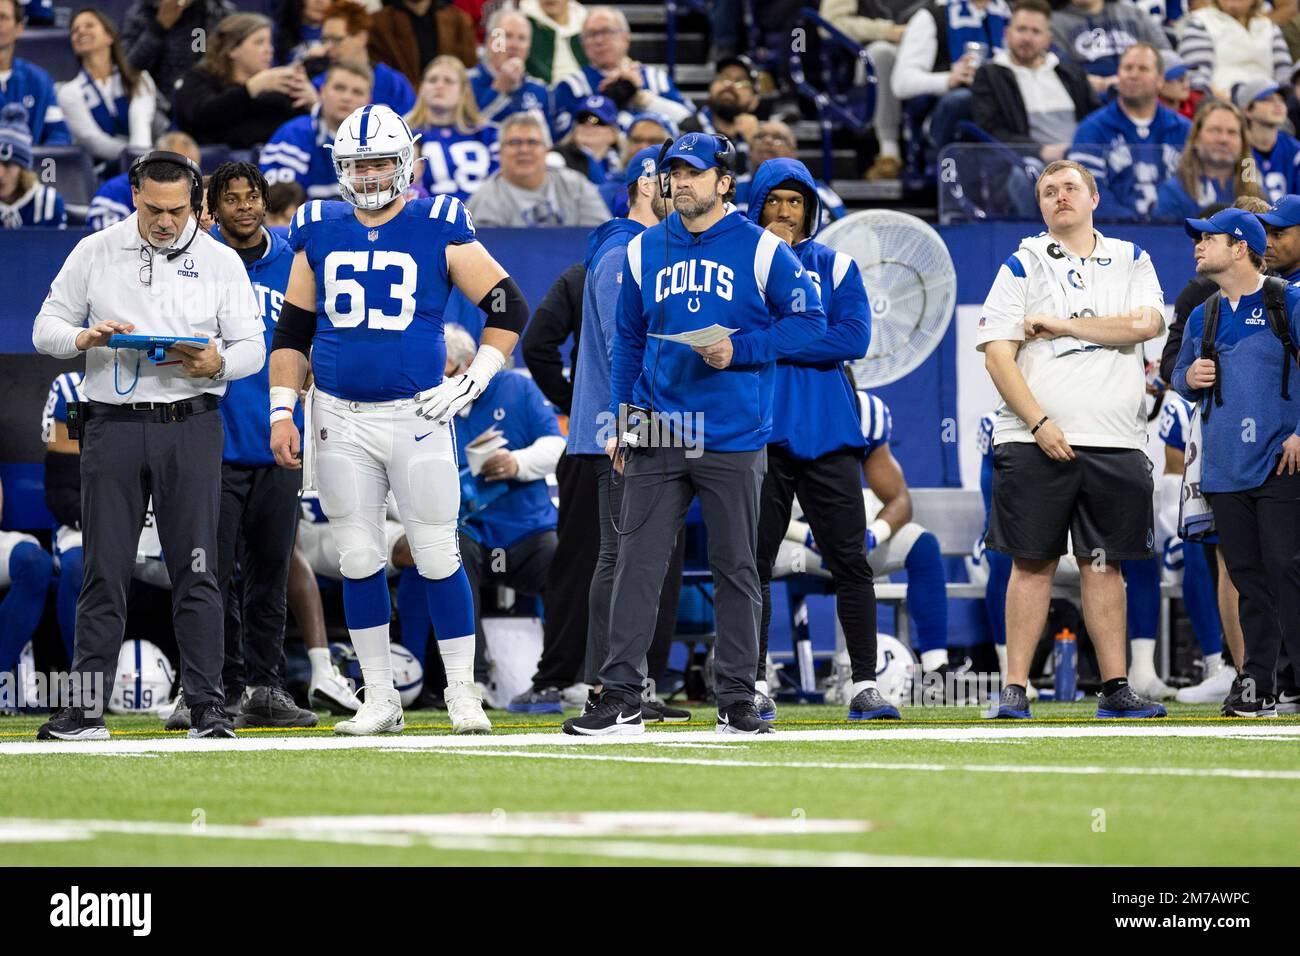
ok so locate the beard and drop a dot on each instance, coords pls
(726, 110)
(694, 208)
(659, 206)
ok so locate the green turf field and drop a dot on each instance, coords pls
(931, 789)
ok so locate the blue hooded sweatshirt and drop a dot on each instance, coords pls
(1244, 436)
(245, 411)
(733, 274)
(814, 409)
(606, 255)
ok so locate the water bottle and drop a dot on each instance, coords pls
(1066, 665)
(975, 52)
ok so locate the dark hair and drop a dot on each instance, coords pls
(1255, 258)
(1143, 45)
(130, 75)
(1032, 6)
(224, 174)
(163, 171)
(280, 196)
(20, 12)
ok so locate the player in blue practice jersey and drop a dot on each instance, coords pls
(370, 280)
(460, 151)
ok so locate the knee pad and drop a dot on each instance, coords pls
(434, 484)
(434, 548)
(360, 549)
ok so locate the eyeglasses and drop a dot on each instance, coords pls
(738, 84)
(774, 137)
(521, 143)
(146, 270)
(606, 34)
(332, 40)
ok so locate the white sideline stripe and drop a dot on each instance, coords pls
(974, 734)
(625, 850)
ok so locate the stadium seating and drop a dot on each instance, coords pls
(74, 177)
(48, 48)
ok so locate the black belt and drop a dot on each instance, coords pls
(152, 411)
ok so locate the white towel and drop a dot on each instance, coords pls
(1069, 296)
(1195, 518)
(308, 443)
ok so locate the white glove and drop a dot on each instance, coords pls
(444, 401)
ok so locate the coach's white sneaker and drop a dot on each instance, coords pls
(333, 694)
(1150, 686)
(465, 707)
(380, 714)
(1212, 690)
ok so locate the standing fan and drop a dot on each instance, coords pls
(911, 283)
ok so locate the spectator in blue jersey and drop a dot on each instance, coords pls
(1228, 42)
(345, 33)
(234, 95)
(460, 151)
(775, 140)
(1094, 34)
(24, 200)
(594, 143)
(500, 82)
(25, 572)
(1216, 165)
(27, 85)
(110, 105)
(815, 446)
(511, 511)
(259, 499)
(299, 26)
(113, 201)
(159, 36)
(299, 151)
(634, 88)
(1275, 151)
(734, 107)
(1252, 484)
(1133, 143)
(943, 45)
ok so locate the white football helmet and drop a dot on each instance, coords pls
(408, 674)
(144, 679)
(373, 132)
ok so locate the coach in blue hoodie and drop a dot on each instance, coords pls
(710, 420)
(816, 447)
(1249, 394)
(259, 499)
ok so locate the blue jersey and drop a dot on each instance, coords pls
(297, 154)
(31, 86)
(392, 89)
(514, 405)
(244, 411)
(876, 422)
(109, 113)
(1128, 162)
(456, 163)
(39, 12)
(1279, 171)
(1175, 420)
(569, 94)
(1174, 204)
(380, 295)
(112, 203)
(532, 96)
(1164, 12)
(39, 206)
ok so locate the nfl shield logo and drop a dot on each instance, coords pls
(324, 434)
(372, 235)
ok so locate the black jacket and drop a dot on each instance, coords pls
(167, 54)
(1194, 293)
(557, 317)
(214, 111)
(998, 108)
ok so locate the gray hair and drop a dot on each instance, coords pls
(461, 348)
(619, 16)
(500, 14)
(526, 118)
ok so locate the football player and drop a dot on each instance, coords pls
(370, 280)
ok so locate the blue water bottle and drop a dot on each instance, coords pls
(1066, 661)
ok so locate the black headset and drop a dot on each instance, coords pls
(725, 157)
(135, 173)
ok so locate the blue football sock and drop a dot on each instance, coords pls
(1200, 599)
(451, 605)
(413, 612)
(30, 568)
(1142, 597)
(366, 602)
(926, 596)
(995, 594)
(71, 572)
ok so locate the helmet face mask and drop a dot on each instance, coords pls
(373, 133)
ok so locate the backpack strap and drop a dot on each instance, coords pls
(1275, 308)
(1209, 351)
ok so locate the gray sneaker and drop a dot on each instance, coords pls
(1012, 704)
(180, 718)
(1126, 702)
(272, 707)
(655, 711)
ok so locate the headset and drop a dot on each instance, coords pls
(136, 173)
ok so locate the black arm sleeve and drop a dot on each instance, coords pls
(1193, 294)
(505, 306)
(295, 329)
(558, 317)
(63, 487)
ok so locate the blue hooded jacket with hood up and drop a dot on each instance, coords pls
(814, 409)
(733, 274)
(606, 254)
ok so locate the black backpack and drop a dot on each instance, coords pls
(1275, 309)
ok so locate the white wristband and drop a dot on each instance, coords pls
(487, 362)
(881, 529)
(283, 400)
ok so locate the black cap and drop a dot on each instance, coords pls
(742, 61)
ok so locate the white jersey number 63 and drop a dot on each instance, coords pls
(383, 317)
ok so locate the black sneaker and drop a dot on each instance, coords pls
(72, 723)
(1288, 701)
(272, 707)
(210, 719)
(655, 711)
(1126, 702)
(179, 718)
(741, 718)
(593, 699)
(611, 715)
(1239, 703)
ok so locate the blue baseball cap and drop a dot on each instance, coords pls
(1231, 222)
(1173, 65)
(601, 107)
(1285, 212)
(644, 163)
(653, 117)
(695, 149)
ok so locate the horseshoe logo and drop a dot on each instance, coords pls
(693, 304)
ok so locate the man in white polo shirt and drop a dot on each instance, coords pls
(1062, 332)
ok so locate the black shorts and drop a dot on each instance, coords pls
(1102, 499)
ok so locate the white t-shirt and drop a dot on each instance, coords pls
(1095, 396)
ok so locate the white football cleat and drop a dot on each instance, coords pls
(1212, 690)
(334, 694)
(380, 714)
(465, 707)
(1152, 687)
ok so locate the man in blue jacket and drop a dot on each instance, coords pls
(816, 447)
(259, 499)
(1251, 446)
(699, 415)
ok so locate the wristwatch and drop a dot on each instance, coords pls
(220, 372)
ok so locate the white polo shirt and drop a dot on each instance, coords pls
(203, 292)
(1096, 396)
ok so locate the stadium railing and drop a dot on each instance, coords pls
(674, 9)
